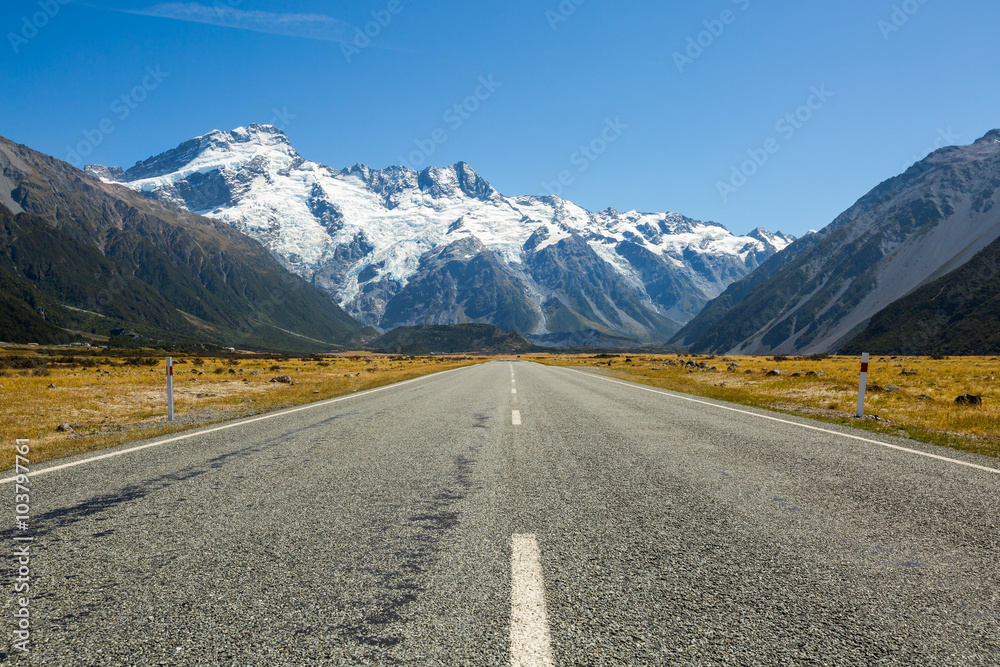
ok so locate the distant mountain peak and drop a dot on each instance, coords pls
(775, 238)
(258, 129)
(255, 135)
(991, 137)
(113, 174)
(212, 149)
(449, 181)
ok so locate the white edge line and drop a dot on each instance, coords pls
(241, 422)
(785, 421)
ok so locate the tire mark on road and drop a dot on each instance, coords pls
(420, 537)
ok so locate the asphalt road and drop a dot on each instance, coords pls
(428, 523)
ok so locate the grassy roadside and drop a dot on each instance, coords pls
(69, 405)
(913, 397)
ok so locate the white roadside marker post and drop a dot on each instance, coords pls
(170, 389)
(863, 385)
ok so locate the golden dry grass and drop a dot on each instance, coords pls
(110, 404)
(923, 408)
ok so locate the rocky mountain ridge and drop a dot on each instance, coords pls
(825, 288)
(398, 247)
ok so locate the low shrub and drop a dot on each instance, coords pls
(18, 362)
(142, 361)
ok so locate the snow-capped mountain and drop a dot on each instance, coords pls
(826, 287)
(399, 247)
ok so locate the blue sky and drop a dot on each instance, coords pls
(748, 113)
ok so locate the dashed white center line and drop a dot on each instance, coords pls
(515, 417)
(530, 644)
(513, 390)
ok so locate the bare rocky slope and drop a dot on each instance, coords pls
(824, 289)
(958, 314)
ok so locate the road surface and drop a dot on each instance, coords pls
(514, 514)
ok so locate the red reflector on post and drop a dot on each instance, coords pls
(864, 368)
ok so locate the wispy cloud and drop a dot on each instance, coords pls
(308, 26)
